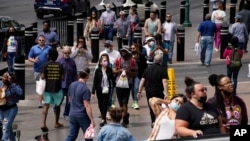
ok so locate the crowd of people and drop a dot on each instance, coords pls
(138, 64)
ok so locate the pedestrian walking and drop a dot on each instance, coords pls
(51, 37)
(38, 55)
(231, 107)
(169, 31)
(232, 73)
(70, 75)
(205, 37)
(122, 25)
(219, 17)
(108, 18)
(142, 65)
(9, 109)
(152, 25)
(155, 80)
(148, 45)
(245, 13)
(128, 65)
(12, 48)
(53, 73)
(239, 30)
(80, 115)
(134, 21)
(102, 83)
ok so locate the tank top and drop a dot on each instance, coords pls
(152, 26)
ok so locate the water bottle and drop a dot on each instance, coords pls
(248, 70)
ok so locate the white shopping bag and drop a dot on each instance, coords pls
(196, 48)
(90, 132)
(122, 81)
(40, 86)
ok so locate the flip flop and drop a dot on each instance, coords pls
(44, 129)
(58, 125)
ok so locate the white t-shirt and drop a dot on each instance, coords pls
(11, 44)
(219, 17)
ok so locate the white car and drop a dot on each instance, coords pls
(140, 4)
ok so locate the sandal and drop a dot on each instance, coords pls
(58, 125)
(44, 129)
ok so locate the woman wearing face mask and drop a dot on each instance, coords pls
(231, 107)
(164, 124)
(12, 47)
(81, 55)
(103, 80)
(196, 117)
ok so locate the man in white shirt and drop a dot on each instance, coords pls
(169, 30)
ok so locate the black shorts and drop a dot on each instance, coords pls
(123, 95)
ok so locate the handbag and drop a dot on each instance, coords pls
(122, 81)
(90, 132)
(2, 97)
(40, 86)
(105, 90)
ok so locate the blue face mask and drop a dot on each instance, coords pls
(152, 43)
(174, 106)
(108, 50)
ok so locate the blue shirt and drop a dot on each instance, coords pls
(207, 28)
(78, 92)
(70, 71)
(50, 36)
(41, 53)
(114, 132)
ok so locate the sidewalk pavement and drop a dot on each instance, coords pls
(29, 116)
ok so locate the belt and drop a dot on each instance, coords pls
(167, 41)
(108, 24)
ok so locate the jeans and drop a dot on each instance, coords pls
(134, 88)
(10, 61)
(67, 104)
(170, 47)
(7, 117)
(217, 39)
(206, 43)
(233, 73)
(108, 32)
(241, 46)
(130, 39)
(75, 123)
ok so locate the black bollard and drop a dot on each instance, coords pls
(138, 33)
(147, 10)
(79, 24)
(182, 12)
(70, 34)
(163, 8)
(28, 39)
(232, 11)
(95, 44)
(205, 8)
(224, 39)
(181, 47)
(19, 67)
(34, 29)
(125, 42)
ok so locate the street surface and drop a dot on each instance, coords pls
(29, 116)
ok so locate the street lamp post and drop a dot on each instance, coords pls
(186, 22)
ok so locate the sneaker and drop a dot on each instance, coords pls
(113, 105)
(152, 125)
(133, 105)
(216, 49)
(136, 106)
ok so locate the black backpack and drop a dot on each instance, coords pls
(235, 60)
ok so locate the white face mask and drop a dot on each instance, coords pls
(152, 43)
(108, 50)
(108, 9)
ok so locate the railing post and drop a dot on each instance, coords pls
(147, 10)
(19, 67)
(181, 47)
(182, 11)
(205, 8)
(163, 8)
(34, 29)
(232, 11)
(95, 44)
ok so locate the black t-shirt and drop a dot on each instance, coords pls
(153, 76)
(205, 119)
(53, 72)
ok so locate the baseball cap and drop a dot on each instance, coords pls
(238, 16)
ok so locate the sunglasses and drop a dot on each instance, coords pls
(41, 40)
(203, 89)
(66, 53)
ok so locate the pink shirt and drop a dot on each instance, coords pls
(228, 53)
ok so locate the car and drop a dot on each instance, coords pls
(139, 4)
(60, 7)
(5, 23)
